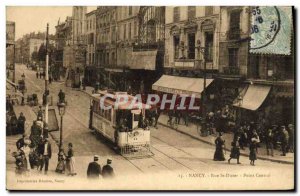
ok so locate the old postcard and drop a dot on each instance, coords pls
(150, 98)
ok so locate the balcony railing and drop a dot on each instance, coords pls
(230, 70)
(184, 63)
(234, 34)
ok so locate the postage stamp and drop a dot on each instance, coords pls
(271, 28)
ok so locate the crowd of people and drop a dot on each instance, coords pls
(246, 135)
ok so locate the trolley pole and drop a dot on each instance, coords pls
(46, 77)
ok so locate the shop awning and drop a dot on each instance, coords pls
(181, 85)
(143, 60)
(254, 97)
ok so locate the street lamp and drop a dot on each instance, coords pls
(240, 103)
(202, 50)
(61, 110)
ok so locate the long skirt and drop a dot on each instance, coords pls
(70, 166)
(235, 153)
(60, 168)
(252, 155)
(219, 154)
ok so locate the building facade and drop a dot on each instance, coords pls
(242, 74)
(90, 71)
(187, 30)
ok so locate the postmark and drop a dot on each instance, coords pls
(270, 30)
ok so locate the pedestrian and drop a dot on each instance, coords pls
(45, 152)
(253, 149)
(186, 116)
(21, 123)
(61, 96)
(40, 75)
(108, 171)
(235, 150)
(44, 74)
(291, 138)
(61, 166)
(94, 168)
(170, 115)
(157, 114)
(284, 140)
(220, 146)
(70, 161)
(269, 142)
(37, 74)
(177, 115)
(26, 150)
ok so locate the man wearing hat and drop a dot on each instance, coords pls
(284, 140)
(94, 169)
(21, 123)
(108, 171)
(291, 137)
(45, 153)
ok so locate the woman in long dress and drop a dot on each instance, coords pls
(26, 150)
(220, 145)
(253, 149)
(61, 166)
(70, 161)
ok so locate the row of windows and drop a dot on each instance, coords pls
(191, 12)
(103, 113)
(91, 24)
(190, 47)
(124, 33)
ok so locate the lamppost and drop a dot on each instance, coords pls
(202, 50)
(240, 103)
(61, 110)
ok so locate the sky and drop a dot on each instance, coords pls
(35, 18)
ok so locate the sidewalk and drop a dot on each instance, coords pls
(191, 131)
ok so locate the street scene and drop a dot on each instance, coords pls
(150, 98)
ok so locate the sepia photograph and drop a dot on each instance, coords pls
(155, 98)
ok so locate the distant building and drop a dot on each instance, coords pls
(90, 71)
(63, 37)
(34, 46)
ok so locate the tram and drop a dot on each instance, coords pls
(122, 124)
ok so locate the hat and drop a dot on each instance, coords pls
(109, 161)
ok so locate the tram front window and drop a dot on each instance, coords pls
(124, 120)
